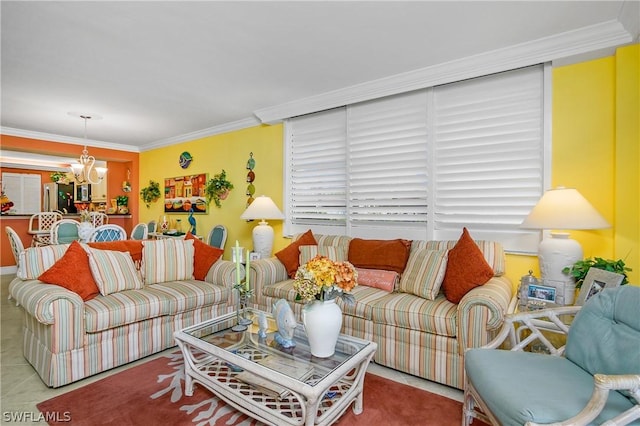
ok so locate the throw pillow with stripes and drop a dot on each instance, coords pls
(424, 273)
(113, 271)
(169, 259)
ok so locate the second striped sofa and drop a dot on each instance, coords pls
(426, 338)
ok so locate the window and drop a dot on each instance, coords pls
(23, 190)
(423, 164)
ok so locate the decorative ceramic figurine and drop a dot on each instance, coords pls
(263, 325)
(286, 323)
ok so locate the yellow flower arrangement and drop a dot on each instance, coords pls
(323, 279)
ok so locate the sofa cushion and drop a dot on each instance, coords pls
(466, 269)
(408, 311)
(492, 251)
(169, 298)
(378, 278)
(341, 241)
(331, 252)
(134, 247)
(204, 256)
(389, 255)
(365, 298)
(290, 255)
(113, 271)
(281, 290)
(424, 273)
(72, 271)
(514, 398)
(35, 260)
(169, 259)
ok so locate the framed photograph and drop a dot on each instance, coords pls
(542, 293)
(596, 281)
(254, 256)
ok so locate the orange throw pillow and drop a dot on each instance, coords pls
(388, 255)
(72, 271)
(204, 256)
(466, 269)
(134, 247)
(290, 255)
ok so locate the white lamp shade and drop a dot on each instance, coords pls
(564, 208)
(262, 207)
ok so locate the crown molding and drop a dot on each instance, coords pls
(10, 131)
(572, 43)
(210, 131)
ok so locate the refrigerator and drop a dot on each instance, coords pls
(59, 196)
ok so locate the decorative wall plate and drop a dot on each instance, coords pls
(185, 160)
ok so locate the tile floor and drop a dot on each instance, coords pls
(21, 388)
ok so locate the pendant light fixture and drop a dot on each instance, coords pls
(84, 170)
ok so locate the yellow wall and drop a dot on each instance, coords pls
(230, 152)
(595, 134)
(595, 138)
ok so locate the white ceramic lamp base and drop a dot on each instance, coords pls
(263, 239)
(555, 254)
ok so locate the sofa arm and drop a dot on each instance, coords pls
(222, 272)
(58, 311)
(481, 311)
(265, 272)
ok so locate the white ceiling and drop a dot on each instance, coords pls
(162, 72)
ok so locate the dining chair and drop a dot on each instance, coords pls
(217, 237)
(151, 226)
(108, 232)
(64, 231)
(16, 243)
(98, 219)
(40, 226)
(139, 232)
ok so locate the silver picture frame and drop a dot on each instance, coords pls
(596, 281)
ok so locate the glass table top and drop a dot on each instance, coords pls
(295, 362)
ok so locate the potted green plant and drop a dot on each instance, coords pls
(122, 201)
(218, 188)
(150, 194)
(579, 269)
(58, 177)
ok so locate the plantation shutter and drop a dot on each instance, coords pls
(388, 166)
(489, 156)
(316, 173)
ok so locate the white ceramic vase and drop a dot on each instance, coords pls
(322, 321)
(84, 231)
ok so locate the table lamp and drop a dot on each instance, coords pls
(262, 208)
(561, 209)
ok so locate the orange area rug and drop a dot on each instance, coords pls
(153, 394)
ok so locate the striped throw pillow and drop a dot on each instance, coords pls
(337, 254)
(169, 259)
(34, 261)
(113, 271)
(424, 273)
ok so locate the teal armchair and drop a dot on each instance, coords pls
(594, 379)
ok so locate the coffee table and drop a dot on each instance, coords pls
(267, 382)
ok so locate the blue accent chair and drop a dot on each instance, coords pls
(593, 379)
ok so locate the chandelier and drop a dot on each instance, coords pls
(85, 171)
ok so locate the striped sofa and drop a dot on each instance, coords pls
(426, 338)
(67, 339)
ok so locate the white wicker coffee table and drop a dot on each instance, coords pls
(274, 385)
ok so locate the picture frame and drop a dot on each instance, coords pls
(254, 255)
(541, 293)
(596, 281)
(182, 193)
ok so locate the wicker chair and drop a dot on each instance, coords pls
(64, 231)
(139, 232)
(40, 225)
(98, 219)
(16, 243)
(217, 237)
(109, 232)
(594, 379)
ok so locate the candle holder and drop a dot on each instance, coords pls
(242, 321)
